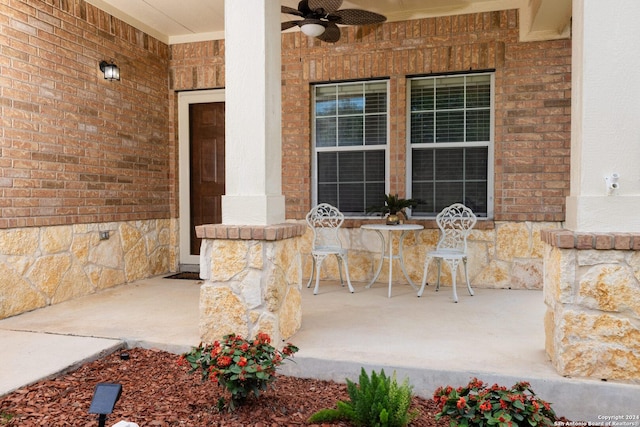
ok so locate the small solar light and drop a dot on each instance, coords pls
(104, 399)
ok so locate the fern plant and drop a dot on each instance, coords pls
(377, 401)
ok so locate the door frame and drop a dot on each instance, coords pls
(185, 99)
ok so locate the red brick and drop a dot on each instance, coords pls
(584, 241)
(604, 241)
(623, 241)
(565, 240)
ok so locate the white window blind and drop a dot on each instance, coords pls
(350, 141)
(451, 138)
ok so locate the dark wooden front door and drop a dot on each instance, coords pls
(206, 165)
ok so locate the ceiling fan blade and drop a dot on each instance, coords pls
(331, 33)
(358, 17)
(290, 11)
(329, 6)
(288, 24)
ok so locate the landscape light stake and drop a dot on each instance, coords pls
(104, 399)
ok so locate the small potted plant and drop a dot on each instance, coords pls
(393, 205)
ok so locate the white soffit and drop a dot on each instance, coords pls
(183, 21)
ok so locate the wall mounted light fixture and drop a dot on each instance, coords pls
(110, 70)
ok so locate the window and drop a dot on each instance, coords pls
(451, 142)
(350, 144)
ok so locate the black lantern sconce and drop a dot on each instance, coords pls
(110, 70)
(104, 399)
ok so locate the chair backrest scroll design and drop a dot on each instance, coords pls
(325, 221)
(455, 223)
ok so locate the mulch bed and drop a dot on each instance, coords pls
(156, 391)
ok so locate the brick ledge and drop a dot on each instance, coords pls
(250, 232)
(567, 239)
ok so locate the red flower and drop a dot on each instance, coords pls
(486, 406)
(224, 361)
(476, 383)
(264, 338)
(242, 361)
(503, 404)
(182, 360)
(461, 403)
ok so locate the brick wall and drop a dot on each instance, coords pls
(76, 148)
(79, 149)
(532, 132)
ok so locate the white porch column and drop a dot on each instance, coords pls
(253, 114)
(605, 131)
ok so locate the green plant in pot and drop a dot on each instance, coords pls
(393, 205)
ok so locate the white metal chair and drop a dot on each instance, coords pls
(455, 223)
(325, 221)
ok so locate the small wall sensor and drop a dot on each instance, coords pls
(612, 183)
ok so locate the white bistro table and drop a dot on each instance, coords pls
(388, 253)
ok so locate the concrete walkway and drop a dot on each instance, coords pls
(497, 335)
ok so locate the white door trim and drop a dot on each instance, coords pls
(184, 188)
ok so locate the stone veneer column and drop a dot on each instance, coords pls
(592, 293)
(253, 277)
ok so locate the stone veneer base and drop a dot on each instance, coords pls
(592, 293)
(41, 266)
(253, 277)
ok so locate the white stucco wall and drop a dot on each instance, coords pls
(253, 150)
(605, 135)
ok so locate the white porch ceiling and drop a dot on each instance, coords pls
(186, 21)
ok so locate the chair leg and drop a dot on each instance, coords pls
(454, 270)
(424, 276)
(339, 259)
(313, 270)
(318, 269)
(439, 272)
(466, 275)
(346, 271)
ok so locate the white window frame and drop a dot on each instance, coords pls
(315, 150)
(490, 144)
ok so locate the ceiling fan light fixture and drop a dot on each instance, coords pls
(312, 30)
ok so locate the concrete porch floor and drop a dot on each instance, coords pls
(496, 335)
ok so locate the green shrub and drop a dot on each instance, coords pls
(478, 405)
(378, 401)
(242, 366)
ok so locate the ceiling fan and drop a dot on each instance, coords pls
(320, 18)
